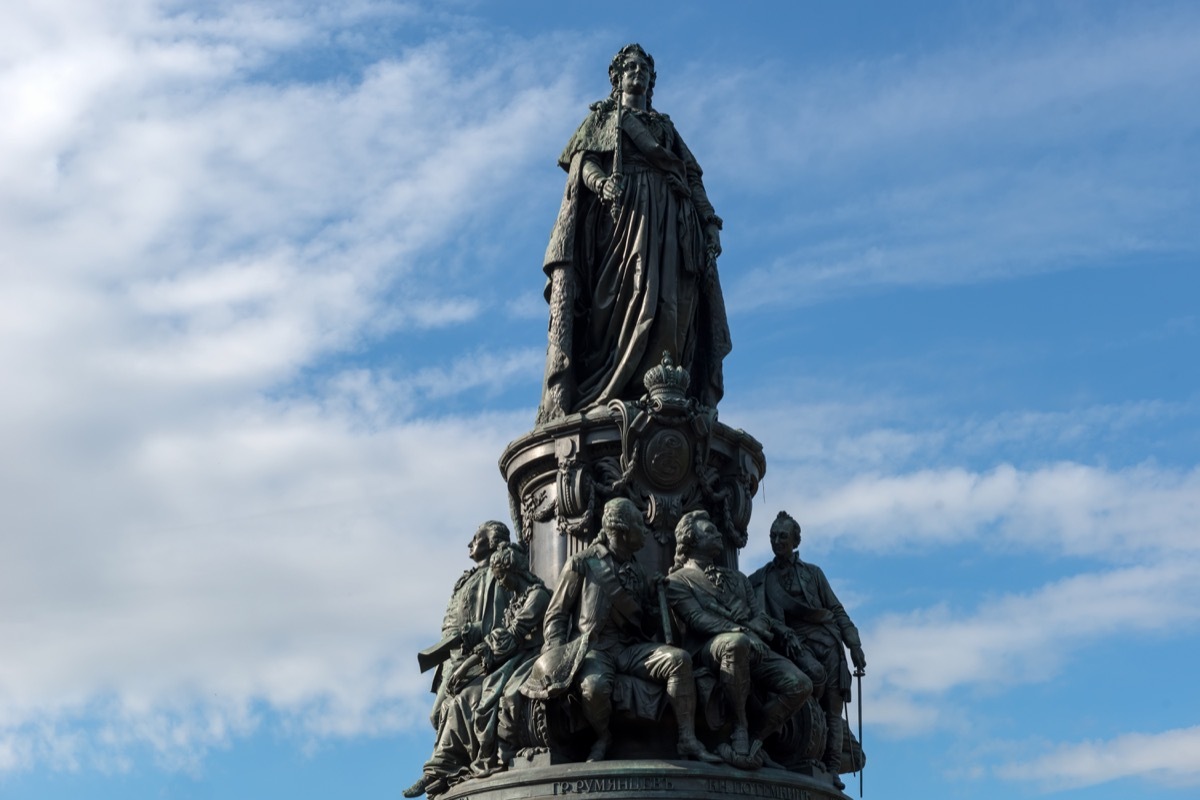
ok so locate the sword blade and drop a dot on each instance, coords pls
(858, 673)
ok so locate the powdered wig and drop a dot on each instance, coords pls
(620, 514)
(511, 558)
(495, 531)
(686, 531)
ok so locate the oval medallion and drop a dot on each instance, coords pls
(668, 457)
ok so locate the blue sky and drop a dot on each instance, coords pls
(270, 309)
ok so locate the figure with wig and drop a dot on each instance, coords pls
(726, 631)
(602, 621)
(477, 606)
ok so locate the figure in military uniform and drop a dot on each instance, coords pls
(726, 630)
(476, 606)
(816, 627)
(601, 622)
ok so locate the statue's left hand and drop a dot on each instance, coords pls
(712, 239)
(759, 647)
(859, 658)
(455, 682)
(792, 647)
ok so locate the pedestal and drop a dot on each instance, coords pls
(644, 780)
(667, 457)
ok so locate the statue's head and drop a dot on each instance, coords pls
(696, 535)
(488, 537)
(509, 563)
(619, 63)
(622, 526)
(785, 534)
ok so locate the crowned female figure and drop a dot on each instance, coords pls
(631, 264)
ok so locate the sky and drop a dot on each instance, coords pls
(270, 309)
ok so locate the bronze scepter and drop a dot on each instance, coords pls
(616, 176)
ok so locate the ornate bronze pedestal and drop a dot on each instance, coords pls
(644, 780)
(666, 453)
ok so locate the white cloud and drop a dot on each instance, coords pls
(266, 561)
(193, 539)
(875, 475)
(848, 472)
(1024, 637)
(1169, 758)
(1067, 507)
(918, 661)
(488, 371)
(1011, 156)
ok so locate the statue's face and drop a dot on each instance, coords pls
(635, 75)
(479, 548)
(629, 539)
(504, 577)
(708, 539)
(784, 541)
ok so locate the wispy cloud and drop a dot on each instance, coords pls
(1013, 156)
(874, 474)
(192, 538)
(487, 371)
(1026, 636)
(1169, 758)
(1066, 507)
(920, 662)
(259, 564)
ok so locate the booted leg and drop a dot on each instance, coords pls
(775, 714)
(599, 749)
(595, 691)
(682, 692)
(788, 688)
(733, 660)
(833, 748)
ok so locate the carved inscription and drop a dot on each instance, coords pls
(627, 784)
(756, 789)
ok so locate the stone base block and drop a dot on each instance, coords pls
(645, 780)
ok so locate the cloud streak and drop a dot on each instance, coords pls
(1025, 637)
(1170, 758)
(196, 541)
(1067, 507)
(1012, 157)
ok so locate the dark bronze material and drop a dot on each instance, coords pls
(655, 665)
(628, 284)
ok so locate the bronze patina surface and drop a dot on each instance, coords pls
(615, 648)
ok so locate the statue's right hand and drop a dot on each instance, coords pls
(610, 189)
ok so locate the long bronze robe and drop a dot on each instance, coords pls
(624, 290)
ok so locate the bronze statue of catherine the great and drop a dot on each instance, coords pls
(631, 264)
